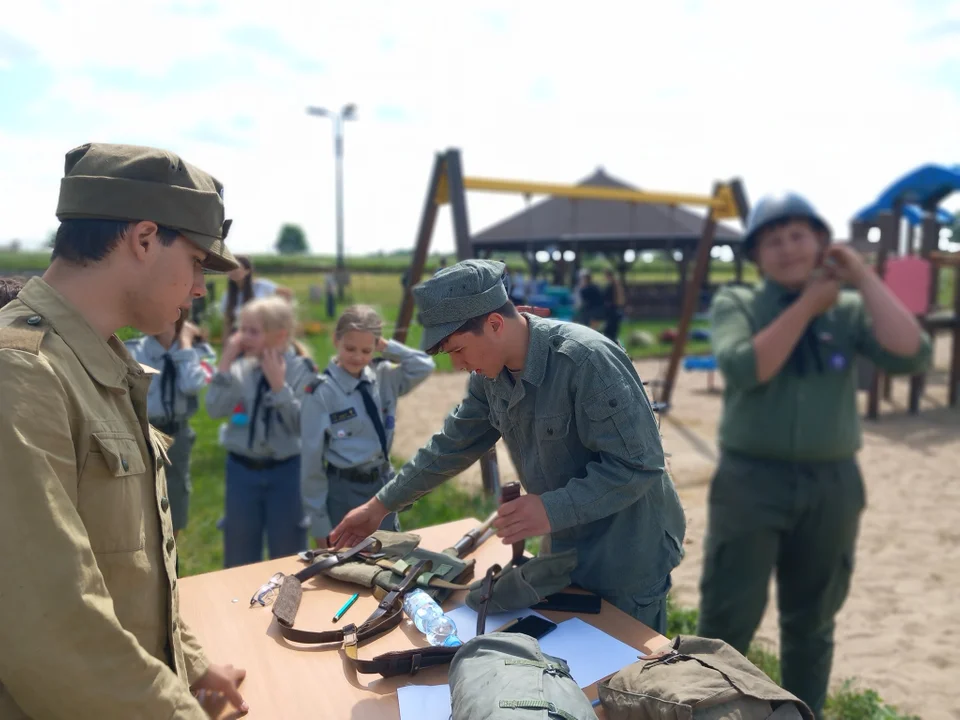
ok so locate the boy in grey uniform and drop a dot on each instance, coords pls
(172, 401)
(260, 394)
(577, 422)
(349, 417)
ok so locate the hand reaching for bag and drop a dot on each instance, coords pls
(358, 524)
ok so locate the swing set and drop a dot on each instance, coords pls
(448, 185)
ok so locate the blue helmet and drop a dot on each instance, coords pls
(772, 209)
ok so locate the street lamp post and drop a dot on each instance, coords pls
(347, 112)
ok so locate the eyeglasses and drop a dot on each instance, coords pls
(267, 591)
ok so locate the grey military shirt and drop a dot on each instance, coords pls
(190, 380)
(337, 429)
(276, 423)
(582, 435)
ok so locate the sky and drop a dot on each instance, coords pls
(835, 100)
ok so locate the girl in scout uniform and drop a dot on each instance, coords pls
(242, 287)
(787, 493)
(349, 415)
(260, 393)
(184, 362)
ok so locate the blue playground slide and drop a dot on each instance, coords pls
(925, 186)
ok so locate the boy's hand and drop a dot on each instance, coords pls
(381, 344)
(845, 264)
(522, 518)
(358, 524)
(821, 293)
(218, 686)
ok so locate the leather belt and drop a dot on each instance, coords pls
(409, 662)
(358, 476)
(388, 614)
(259, 463)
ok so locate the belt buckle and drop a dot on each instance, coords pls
(349, 634)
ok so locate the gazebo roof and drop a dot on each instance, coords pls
(599, 225)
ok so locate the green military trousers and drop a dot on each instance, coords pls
(800, 519)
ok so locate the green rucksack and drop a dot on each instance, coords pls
(697, 679)
(505, 676)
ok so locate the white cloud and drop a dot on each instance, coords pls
(833, 99)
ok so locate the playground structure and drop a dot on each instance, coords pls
(914, 200)
(570, 230)
(449, 185)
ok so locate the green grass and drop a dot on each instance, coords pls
(850, 703)
(847, 702)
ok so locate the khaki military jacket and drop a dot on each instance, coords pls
(89, 613)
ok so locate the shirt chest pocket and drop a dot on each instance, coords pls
(110, 493)
(554, 435)
(351, 426)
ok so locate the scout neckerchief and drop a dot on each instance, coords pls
(262, 387)
(370, 404)
(807, 342)
(168, 385)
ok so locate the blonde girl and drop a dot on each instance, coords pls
(259, 393)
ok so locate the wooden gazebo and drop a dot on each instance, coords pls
(587, 226)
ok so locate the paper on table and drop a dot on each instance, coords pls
(465, 619)
(591, 654)
(424, 702)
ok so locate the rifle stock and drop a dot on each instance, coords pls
(473, 539)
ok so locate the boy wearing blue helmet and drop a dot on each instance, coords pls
(787, 493)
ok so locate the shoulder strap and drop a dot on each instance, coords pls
(389, 614)
(25, 334)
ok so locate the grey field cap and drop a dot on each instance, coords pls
(456, 294)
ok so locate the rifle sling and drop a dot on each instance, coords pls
(388, 615)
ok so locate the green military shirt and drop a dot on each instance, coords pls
(583, 437)
(808, 417)
(90, 624)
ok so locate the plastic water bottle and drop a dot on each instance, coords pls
(429, 618)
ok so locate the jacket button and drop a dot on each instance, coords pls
(613, 403)
(173, 626)
(549, 431)
(124, 464)
(174, 585)
(170, 544)
(34, 320)
(164, 504)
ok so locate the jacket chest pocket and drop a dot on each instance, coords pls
(110, 493)
(554, 435)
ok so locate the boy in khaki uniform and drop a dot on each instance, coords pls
(90, 624)
(787, 493)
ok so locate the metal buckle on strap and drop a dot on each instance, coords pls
(350, 634)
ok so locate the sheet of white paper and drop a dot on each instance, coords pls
(466, 620)
(424, 702)
(591, 654)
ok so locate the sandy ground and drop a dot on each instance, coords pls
(899, 631)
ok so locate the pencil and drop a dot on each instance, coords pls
(346, 606)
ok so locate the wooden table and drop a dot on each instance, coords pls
(286, 680)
